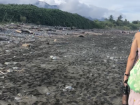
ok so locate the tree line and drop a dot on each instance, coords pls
(119, 23)
(54, 17)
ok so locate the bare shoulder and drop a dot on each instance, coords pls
(137, 35)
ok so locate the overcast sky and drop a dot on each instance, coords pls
(129, 9)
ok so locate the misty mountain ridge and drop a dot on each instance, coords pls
(90, 18)
(43, 4)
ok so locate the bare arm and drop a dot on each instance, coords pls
(131, 57)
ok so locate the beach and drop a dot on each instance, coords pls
(51, 66)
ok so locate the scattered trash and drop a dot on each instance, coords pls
(54, 57)
(68, 88)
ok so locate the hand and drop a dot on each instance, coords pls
(125, 78)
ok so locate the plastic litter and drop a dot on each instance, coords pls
(68, 88)
(54, 57)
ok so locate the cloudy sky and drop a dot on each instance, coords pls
(129, 9)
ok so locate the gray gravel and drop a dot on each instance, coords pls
(62, 69)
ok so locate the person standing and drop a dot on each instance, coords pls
(134, 98)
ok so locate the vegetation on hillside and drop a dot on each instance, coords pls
(51, 17)
(119, 23)
(54, 17)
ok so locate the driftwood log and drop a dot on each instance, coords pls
(26, 31)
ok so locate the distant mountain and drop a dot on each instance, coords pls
(90, 18)
(43, 4)
(100, 19)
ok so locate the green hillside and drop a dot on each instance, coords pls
(51, 17)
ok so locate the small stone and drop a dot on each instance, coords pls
(26, 45)
(111, 58)
(17, 98)
(1, 65)
(7, 63)
(9, 70)
(54, 57)
(2, 77)
(81, 36)
(7, 51)
(48, 93)
(105, 61)
(114, 47)
(15, 63)
(15, 68)
(19, 94)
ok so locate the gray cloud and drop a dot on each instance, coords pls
(74, 6)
